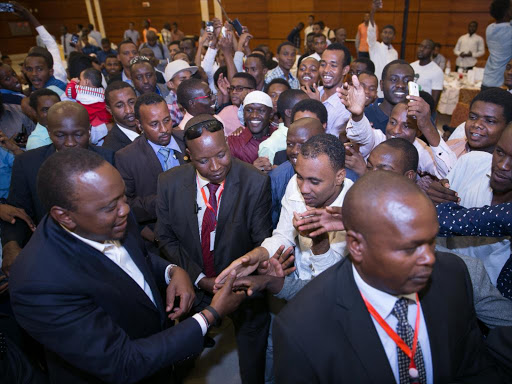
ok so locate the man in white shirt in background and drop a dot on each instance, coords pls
(132, 34)
(65, 41)
(308, 29)
(381, 53)
(94, 34)
(428, 74)
(468, 48)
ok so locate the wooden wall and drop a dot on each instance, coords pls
(269, 20)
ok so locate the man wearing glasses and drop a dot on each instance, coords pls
(210, 212)
(196, 97)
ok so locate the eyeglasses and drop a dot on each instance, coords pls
(238, 88)
(210, 96)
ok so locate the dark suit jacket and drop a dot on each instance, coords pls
(139, 166)
(116, 139)
(95, 322)
(326, 335)
(23, 193)
(244, 216)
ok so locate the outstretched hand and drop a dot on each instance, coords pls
(242, 266)
(280, 264)
(321, 220)
(226, 300)
(353, 97)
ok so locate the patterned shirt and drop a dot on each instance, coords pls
(277, 73)
(174, 109)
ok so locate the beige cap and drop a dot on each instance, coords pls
(176, 66)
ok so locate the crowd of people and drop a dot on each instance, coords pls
(152, 187)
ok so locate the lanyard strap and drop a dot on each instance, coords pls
(394, 336)
(206, 202)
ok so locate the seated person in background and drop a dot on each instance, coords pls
(176, 72)
(370, 85)
(427, 73)
(38, 68)
(157, 150)
(112, 67)
(160, 51)
(196, 97)
(304, 108)
(277, 141)
(274, 89)
(381, 280)
(89, 92)
(98, 283)
(147, 52)
(319, 45)
(307, 72)
(507, 83)
(286, 56)
(257, 112)
(143, 76)
(120, 100)
(394, 85)
(489, 113)
(256, 66)
(401, 124)
(10, 86)
(41, 101)
(438, 58)
(174, 47)
(106, 50)
(68, 127)
(299, 132)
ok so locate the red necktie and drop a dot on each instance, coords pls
(208, 226)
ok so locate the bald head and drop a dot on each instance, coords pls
(68, 125)
(391, 229)
(299, 132)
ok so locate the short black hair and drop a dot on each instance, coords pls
(221, 70)
(195, 127)
(389, 26)
(438, 45)
(347, 57)
(48, 59)
(259, 57)
(247, 76)
(311, 105)
(55, 179)
(276, 81)
(150, 98)
(90, 26)
(370, 74)
(77, 63)
(190, 39)
(287, 100)
(93, 75)
(320, 35)
(5, 57)
(116, 86)
(370, 66)
(326, 144)
(496, 96)
(34, 96)
(186, 91)
(499, 8)
(284, 44)
(174, 42)
(394, 62)
(105, 40)
(123, 43)
(111, 56)
(409, 151)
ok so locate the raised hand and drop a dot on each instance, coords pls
(280, 264)
(321, 220)
(353, 97)
(354, 160)
(313, 94)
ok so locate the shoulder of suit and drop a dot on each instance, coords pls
(132, 148)
(106, 153)
(247, 170)
(35, 155)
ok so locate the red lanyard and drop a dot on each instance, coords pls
(208, 205)
(397, 339)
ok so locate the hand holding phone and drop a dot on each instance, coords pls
(414, 89)
(6, 7)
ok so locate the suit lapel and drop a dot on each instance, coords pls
(359, 329)
(153, 163)
(120, 135)
(178, 136)
(189, 204)
(229, 197)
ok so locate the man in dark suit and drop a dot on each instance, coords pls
(389, 279)
(68, 127)
(157, 150)
(120, 100)
(88, 292)
(210, 212)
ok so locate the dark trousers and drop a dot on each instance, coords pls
(363, 54)
(252, 323)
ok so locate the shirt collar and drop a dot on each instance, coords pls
(98, 246)
(132, 135)
(382, 301)
(172, 145)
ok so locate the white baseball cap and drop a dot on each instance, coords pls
(176, 66)
(258, 97)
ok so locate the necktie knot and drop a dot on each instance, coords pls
(400, 310)
(212, 188)
(165, 152)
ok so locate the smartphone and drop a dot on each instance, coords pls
(414, 89)
(223, 31)
(6, 7)
(209, 26)
(238, 26)
(74, 40)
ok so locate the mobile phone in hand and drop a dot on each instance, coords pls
(209, 26)
(414, 89)
(6, 7)
(74, 40)
(238, 26)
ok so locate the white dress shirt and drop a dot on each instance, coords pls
(337, 113)
(467, 43)
(383, 303)
(470, 178)
(202, 184)
(437, 161)
(380, 53)
(308, 264)
(132, 135)
(51, 45)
